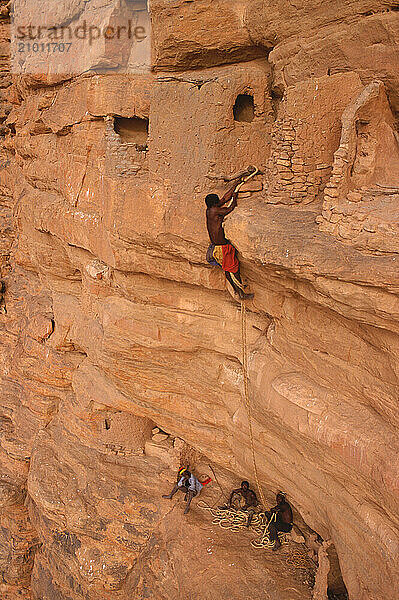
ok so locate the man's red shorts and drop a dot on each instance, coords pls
(224, 256)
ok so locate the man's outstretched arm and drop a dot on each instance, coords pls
(224, 210)
(228, 196)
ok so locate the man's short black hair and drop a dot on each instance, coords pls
(211, 200)
(245, 483)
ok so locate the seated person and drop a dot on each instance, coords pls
(244, 498)
(188, 484)
(283, 521)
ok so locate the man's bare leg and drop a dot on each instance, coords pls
(243, 295)
(274, 536)
(235, 287)
(251, 513)
(172, 493)
(190, 496)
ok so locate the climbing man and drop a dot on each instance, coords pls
(282, 521)
(245, 499)
(188, 484)
(221, 252)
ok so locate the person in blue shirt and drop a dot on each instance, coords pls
(188, 484)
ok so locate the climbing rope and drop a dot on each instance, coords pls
(252, 172)
(222, 494)
(246, 395)
(229, 518)
(236, 520)
(298, 560)
(260, 524)
(264, 541)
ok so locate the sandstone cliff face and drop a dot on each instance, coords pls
(115, 323)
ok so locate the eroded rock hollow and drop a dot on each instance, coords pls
(112, 323)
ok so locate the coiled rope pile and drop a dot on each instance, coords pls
(236, 520)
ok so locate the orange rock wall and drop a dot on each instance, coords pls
(115, 322)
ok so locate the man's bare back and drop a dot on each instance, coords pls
(286, 512)
(215, 216)
(214, 224)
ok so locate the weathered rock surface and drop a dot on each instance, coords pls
(114, 324)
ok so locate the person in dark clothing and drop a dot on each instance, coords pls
(283, 520)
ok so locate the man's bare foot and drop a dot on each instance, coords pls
(245, 296)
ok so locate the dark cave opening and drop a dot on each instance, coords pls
(244, 108)
(133, 130)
